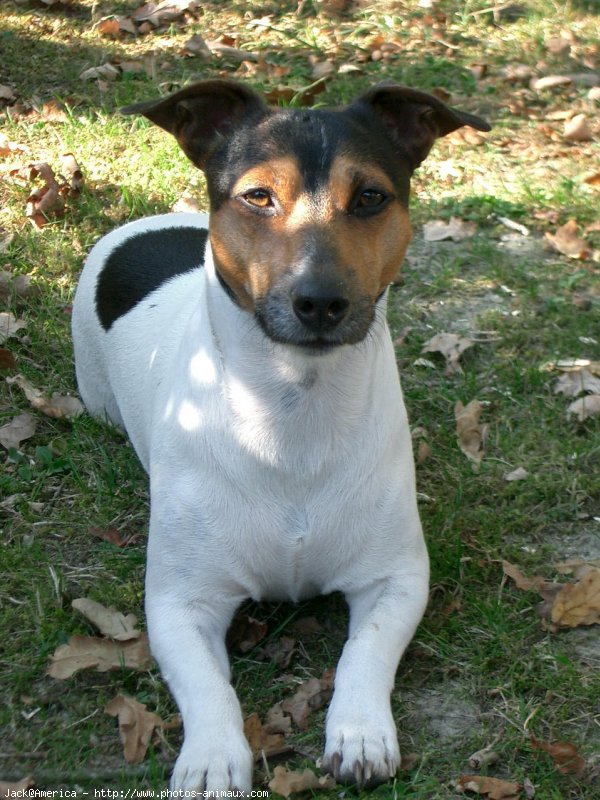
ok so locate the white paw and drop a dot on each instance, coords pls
(207, 766)
(361, 751)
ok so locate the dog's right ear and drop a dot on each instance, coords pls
(202, 114)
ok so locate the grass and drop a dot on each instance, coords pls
(481, 668)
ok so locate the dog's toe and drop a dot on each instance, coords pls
(223, 771)
(362, 758)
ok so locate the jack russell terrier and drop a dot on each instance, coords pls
(249, 360)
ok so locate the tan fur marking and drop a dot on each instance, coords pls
(253, 252)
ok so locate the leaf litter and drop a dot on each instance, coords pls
(566, 605)
(58, 406)
(136, 726)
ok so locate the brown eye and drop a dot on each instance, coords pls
(259, 198)
(370, 199)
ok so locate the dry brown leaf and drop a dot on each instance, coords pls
(578, 603)
(9, 325)
(577, 566)
(592, 179)
(58, 406)
(84, 652)
(136, 726)
(286, 782)
(8, 148)
(72, 172)
(17, 430)
(8, 788)
(522, 581)
(470, 434)
(276, 721)
(109, 27)
(307, 626)
(7, 95)
(564, 754)
(245, 632)
(549, 82)
(45, 200)
(585, 407)
(7, 360)
(280, 651)
(456, 229)
(109, 535)
(578, 129)
(105, 71)
(577, 382)
(260, 740)
(567, 241)
(196, 46)
(311, 695)
(109, 621)
(451, 346)
(492, 788)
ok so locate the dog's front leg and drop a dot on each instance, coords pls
(361, 740)
(187, 637)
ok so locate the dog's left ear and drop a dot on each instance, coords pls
(414, 119)
(202, 114)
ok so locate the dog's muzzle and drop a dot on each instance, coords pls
(315, 315)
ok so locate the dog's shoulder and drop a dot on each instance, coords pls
(143, 256)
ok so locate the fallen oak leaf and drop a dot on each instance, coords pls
(74, 175)
(578, 603)
(578, 129)
(17, 430)
(522, 581)
(286, 782)
(585, 407)
(309, 696)
(451, 346)
(9, 325)
(492, 788)
(471, 435)
(276, 721)
(261, 741)
(58, 406)
(577, 382)
(110, 535)
(567, 241)
(455, 229)
(109, 621)
(105, 71)
(565, 755)
(85, 652)
(136, 726)
(245, 632)
(7, 360)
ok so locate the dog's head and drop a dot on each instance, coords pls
(309, 208)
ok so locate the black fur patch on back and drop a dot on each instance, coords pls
(141, 264)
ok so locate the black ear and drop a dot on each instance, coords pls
(414, 119)
(201, 114)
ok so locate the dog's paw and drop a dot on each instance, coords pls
(361, 754)
(205, 768)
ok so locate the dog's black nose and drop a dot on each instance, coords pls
(319, 308)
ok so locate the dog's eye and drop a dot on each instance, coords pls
(259, 198)
(370, 198)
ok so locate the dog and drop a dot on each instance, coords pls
(249, 360)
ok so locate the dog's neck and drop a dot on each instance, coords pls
(286, 404)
